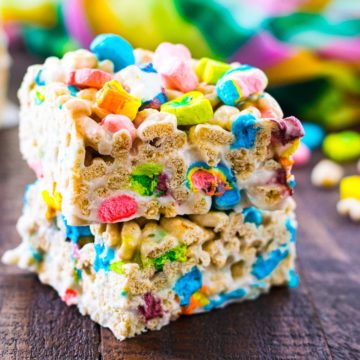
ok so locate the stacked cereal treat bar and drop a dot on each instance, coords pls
(164, 183)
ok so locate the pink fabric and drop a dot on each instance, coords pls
(274, 7)
(344, 49)
(76, 22)
(263, 51)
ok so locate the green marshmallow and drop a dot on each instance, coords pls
(191, 108)
(343, 146)
(148, 169)
(210, 71)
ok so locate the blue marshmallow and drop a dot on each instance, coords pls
(38, 78)
(265, 265)
(293, 279)
(291, 229)
(252, 215)
(114, 48)
(244, 131)
(148, 67)
(74, 233)
(103, 257)
(230, 198)
(314, 135)
(222, 298)
(187, 285)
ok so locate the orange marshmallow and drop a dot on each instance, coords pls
(113, 98)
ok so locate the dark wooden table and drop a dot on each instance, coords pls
(319, 320)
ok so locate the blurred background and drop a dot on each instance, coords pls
(310, 49)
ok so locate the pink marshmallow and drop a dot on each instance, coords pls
(173, 62)
(166, 50)
(302, 155)
(114, 123)
(117, 208)
(84, 78)
(178, 74)
(37, 168)
(251, 82)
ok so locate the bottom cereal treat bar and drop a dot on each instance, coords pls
(142, 274)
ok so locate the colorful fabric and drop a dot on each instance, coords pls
(310, 49)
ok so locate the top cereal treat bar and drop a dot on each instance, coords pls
(117, 133)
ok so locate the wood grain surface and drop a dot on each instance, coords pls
(319, 320)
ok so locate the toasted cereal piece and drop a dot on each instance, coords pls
(155, 240)
(326, 173)
(130, 240)
(349, 207)
(210, 140)
(79, 59)
(184, 230)
(217, 253)
(214, 219)
(224, 116)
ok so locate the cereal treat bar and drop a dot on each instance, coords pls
(117, 134)
(142, 274)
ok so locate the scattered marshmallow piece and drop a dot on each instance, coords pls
(343, 146)
(349, 207)
(314, 135)
(350, 187)
(326, 173)
(302, 155)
